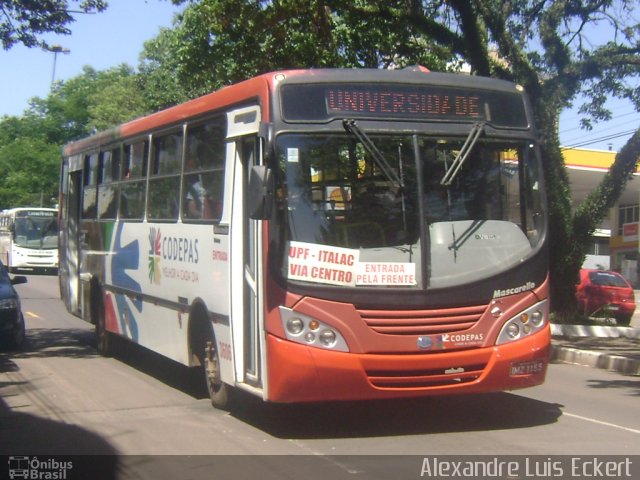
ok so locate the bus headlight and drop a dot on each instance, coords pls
(310, 331)
(327, 338)
(513, 330)
(295, 326)
(524, 324)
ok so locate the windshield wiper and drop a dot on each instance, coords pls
(352, 127)
(466, 235)
(464, 152)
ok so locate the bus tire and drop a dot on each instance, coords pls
(104, 339)
(210, 361)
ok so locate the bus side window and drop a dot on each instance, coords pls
(164, 182)
(135, 161)
(133, 175)
(107, 191)
(89, 200)
(125, 172)
(132, 200)
(203, 179)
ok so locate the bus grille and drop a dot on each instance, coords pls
(422, 322)
(425, 378)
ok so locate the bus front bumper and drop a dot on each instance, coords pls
(298, 373)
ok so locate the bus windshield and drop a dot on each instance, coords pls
(36, 230)
(350, 222)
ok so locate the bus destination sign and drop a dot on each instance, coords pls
(324, 102)
(399, 102)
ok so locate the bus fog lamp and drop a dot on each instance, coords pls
(310, 337)
(295, 326)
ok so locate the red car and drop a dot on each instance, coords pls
(603, 291)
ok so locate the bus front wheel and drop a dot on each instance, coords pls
(104, 339)
(218, 390)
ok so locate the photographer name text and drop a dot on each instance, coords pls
(577, 467)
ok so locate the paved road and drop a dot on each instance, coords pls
(140, 404)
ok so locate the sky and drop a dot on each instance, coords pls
(102, 40)
(117, 36)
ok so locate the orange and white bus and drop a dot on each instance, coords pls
(317, 235)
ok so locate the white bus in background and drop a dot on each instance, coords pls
(29, 239)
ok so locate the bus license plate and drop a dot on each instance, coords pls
(526, 368)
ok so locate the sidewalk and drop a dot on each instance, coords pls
(607, 347)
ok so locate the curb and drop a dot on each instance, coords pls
(587, 358)
(602, 331)
(606, 361)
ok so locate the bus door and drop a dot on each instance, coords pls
(246, 252)
(69, 231)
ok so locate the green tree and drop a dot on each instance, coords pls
(118, 98)
(31, 145)
(25, 21)
(218, 42)
(159, 63)
(31, 172)
(91, 101)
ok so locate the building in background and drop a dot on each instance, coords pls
(586, 169)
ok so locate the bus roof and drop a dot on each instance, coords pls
(259, 88)
(22, 209)
(253, 89)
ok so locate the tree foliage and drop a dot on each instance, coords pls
(25, 21)
(30, 145)
(30, 166)
(159, 67)
(218, 42)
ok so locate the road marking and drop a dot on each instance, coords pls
(600, 422)
(31, 314)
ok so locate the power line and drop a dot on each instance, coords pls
(599, 131)
(632, 112)
(598, 140)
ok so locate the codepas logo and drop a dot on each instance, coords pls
(171, 249)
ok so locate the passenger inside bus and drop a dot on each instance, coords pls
(203, 198)
(197, 200)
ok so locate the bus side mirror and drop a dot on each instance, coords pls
(260, 192)
(12, 230)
